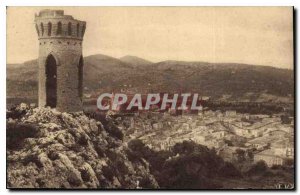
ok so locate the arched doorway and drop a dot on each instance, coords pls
(80, 78)
(51, 81)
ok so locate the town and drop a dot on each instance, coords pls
(148, 101)
(259, 137)
(160, 98)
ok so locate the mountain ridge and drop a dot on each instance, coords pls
(107, 57)
(104, 73)
(134, 60)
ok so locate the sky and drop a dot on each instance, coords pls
(252, 35)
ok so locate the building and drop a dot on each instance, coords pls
(230, 113)
(220, 134)
(284, 148)
(60, 60)
(228, 153)
(157, 126)
(269, 157)
(242, 132)
(258, 145)
(201, 137)
(257, 132)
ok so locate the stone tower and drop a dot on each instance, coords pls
(60, 60)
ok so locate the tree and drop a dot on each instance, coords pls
(195, 167)
(229, 170)
(240, 155)
(285, 119)
(258, 168)
(138, 150)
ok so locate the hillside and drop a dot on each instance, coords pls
(226, 81)
(136, 61)
(50, 149)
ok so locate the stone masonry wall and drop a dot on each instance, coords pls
(67, 54)
(66, 48)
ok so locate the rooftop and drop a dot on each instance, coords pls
(268, 152)
(47, 13)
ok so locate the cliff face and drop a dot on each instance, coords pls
(50, 149)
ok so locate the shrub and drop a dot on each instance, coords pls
(289, 163)
(32, 158)
(108, 173)
(146, 183)
(83, 140)
(53, 155)
(100, 150)
(258, 168)
(114, 131)
(15, 113)
(229, 170)
(17, 132)
(195, 167)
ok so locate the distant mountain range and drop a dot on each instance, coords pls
(136, 61)
(223, 81)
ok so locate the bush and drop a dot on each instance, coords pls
(32, 158)
(108, 173)
(289, 163)
(276, 167)
(258, 168)
(53, 155)
(15, 113)
(187, 166)
(100, 151)
(268, 174)
(136, 145)
(114, 131)
(137, 150)
(108, 124)
(157, 160)
(229, 170)
(17, 132)
(240, 155)
(146, 183)
(83, 140)
(187, 147)
(195, 167)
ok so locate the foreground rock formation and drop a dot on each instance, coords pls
(50, 149)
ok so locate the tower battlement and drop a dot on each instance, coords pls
(54, 24)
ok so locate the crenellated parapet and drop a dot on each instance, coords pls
(54, 24)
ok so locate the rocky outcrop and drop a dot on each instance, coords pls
(69, 150)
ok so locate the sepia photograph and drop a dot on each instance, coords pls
(150, 98)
